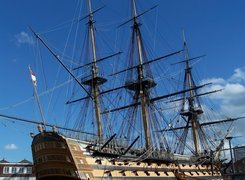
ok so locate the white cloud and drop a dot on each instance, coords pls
(23, 38)
(233, 90)
(214, 81)
(231, 98)
(10, 147)
(238, 76)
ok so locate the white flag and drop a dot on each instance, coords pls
(33, 77)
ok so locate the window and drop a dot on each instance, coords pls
(21, 170)
(56, 158)
(87, 176)
(14, 170)
(39, 147)
(17, 170)
(68, 159)
(6, 170)
(60, 145)
(36, 148)
(42, 146)
(29, 170)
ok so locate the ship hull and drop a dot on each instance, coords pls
(58, 157)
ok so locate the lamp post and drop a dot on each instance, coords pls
(233, 168)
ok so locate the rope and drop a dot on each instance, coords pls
(41, 94)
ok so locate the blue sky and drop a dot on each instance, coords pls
(215, 28)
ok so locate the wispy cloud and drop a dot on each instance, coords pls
(14, 60)
(238, 76)
(10, 147)
(23, 38)
(232, 98)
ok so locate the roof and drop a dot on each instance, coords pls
(4, 161)
(25, 161)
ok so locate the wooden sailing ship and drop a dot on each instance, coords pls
(138, 146)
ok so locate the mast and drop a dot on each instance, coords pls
(142, 90)
(192, 112)
(34, 83)
(95, 80)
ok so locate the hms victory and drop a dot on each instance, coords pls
(139, 116)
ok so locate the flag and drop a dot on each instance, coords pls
(33, 77)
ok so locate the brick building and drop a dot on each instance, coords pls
(22, 170)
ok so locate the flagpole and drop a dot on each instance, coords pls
(34, 83)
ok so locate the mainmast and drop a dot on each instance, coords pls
(95, 80)
(193, 109)
(140, 86)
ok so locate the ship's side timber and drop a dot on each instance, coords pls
(52, 158)
(95, 167)
(58, 157)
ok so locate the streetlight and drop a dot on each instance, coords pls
(233, 168)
